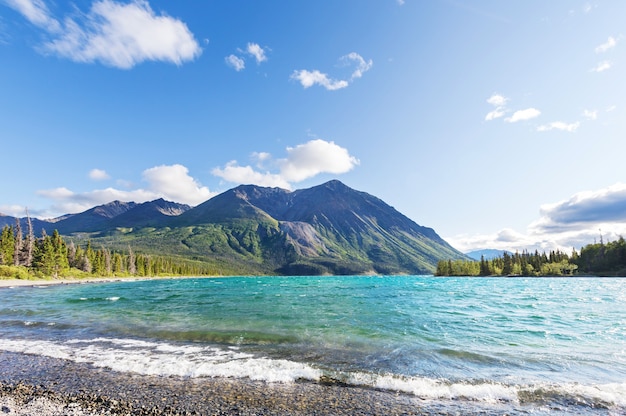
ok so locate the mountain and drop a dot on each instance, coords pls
(329, 228)
(488, 254)
(326, 229)
(104, 218)
(92, 220)
(148, 214)
(36, 223)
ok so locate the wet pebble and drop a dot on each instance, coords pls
(66, 388)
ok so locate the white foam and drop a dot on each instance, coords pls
(427, 388)
(166, 359)
(113, 298)
(613, 394)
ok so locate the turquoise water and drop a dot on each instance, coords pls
(536, 343)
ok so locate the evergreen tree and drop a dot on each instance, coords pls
(7, 245)
(507, 264)
(484, 267)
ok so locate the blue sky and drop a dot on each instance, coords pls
(498, 124)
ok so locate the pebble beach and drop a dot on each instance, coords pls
(33, 385)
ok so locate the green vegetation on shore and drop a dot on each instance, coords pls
(603, 259)
(50, 256)
(22, 256)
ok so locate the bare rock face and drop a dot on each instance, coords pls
(304, 238)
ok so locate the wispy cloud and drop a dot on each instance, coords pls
(499, 102)
(559, 125)
(602, 66)
(120, 35)
(36, 12)
(257, 52)
(309, 78)
(353, 60)
(235, 62)
(302, 162)
(523, 115)
(609, 44)
(590, 114)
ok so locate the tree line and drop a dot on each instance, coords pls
(23, 255)
(602, 259)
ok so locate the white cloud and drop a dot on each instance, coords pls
(235, 62)
(57, 193)
(314, 157)
(171, 182)
(252, 49)
(559, 125)
(523, 115)
(234, 173)
(609, 44)
(124, 35)
(590, 114)
(497, 113)
(256, 51)
(602, 66)
(362, 66)
(497, 100)
(309, 78)
(36, 12)
(98, 174)
(302, 162)
(567, 224)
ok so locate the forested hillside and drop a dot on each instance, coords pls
(24, 256)
(603, 259)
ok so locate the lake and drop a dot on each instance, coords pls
(514, 344)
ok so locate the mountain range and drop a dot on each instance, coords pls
(487, 254)
(326, 229)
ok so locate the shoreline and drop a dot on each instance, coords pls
(10, 283)
(48, 386)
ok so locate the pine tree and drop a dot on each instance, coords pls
(7, 245)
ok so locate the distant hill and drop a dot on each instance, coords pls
(488, 253)
(326, 229)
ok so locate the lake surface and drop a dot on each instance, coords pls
(538, 345)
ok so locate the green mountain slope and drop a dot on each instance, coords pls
(327, 229)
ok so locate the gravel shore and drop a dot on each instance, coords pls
(33, 385)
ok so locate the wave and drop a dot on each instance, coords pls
(196, 361)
